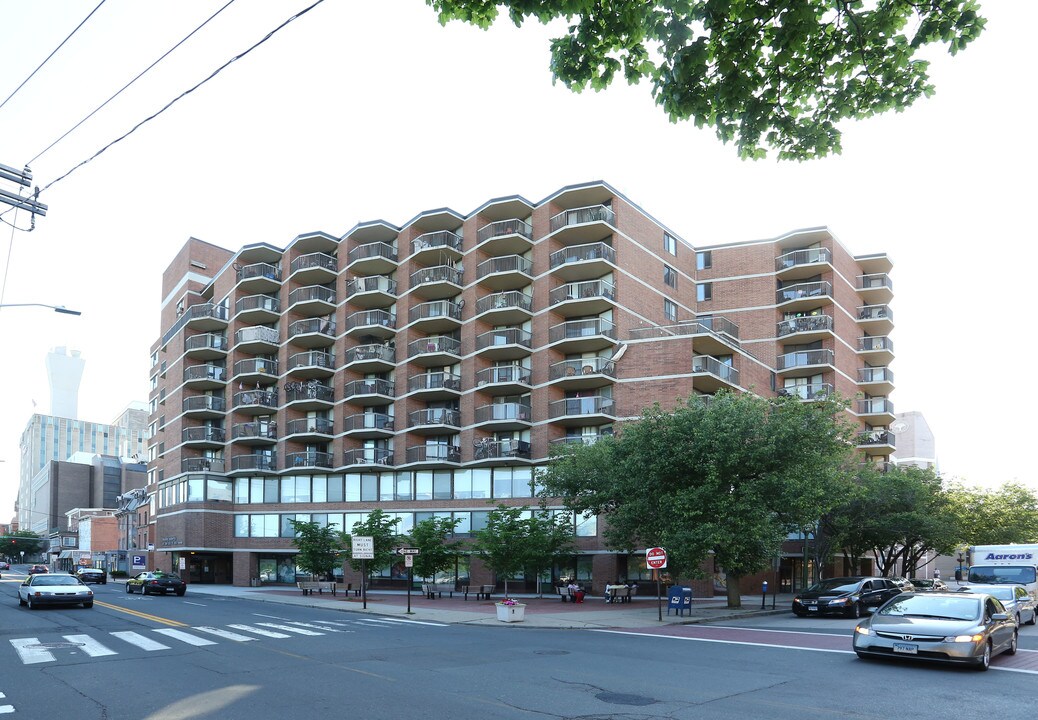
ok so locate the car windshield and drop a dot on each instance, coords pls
(934, 606)
(834, 585)
(57, 580)
(922, 583)
(995, 574)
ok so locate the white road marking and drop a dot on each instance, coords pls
(184, 637)
(413, 622)
(31, 655)
(227, 634)
(90, 646)
(289, 628)
(727, 642)
(188, 602)
(4, 709)
(311, 625)
(144, 643)
(259, 631)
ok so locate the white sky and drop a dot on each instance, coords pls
(353, 113)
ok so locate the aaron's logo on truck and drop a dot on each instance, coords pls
(1015, 556)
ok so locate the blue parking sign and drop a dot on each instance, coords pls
(139, 561)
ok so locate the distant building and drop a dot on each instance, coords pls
(64, 372)
(915, 441)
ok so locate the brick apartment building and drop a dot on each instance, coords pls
(427, 369)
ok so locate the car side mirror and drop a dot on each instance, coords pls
(1000, 617)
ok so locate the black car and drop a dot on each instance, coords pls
(850, 596)
(92, 575)
(156, 582)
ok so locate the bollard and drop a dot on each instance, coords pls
(763, 593)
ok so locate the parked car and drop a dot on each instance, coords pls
(92, 575)
(46, 589)
(38, 569)
(935, 585)
(845, 596)
(950, 627)
(4, 565)
(156, 582)
(902, 582)
(1018, 603)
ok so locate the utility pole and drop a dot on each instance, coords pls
(23, 178)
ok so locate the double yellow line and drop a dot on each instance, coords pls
(143, 616)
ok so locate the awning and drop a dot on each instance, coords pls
(65, 554)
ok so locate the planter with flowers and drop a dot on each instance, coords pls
(509, 610)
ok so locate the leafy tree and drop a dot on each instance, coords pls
(20, 541)
(511, 544)
(319, 547)
(1007, 514)
(549, 537)
(763, 73)
(435, 554)
(732, 475)
(382, 528)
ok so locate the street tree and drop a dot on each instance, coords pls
(550, 537)
(19, 541)
(435, 553)
(730, 475)
(381, 527)
(1006, 514)
(764, 73)
(517, 541)
(319, 547)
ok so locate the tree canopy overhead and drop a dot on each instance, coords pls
(777, 74)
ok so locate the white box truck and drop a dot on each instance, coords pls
(1005, 565)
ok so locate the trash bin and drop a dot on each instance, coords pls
(254, 582)
(679, 599)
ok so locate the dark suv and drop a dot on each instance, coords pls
(849, 596)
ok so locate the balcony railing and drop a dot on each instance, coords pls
(581, 253)
(489, 449)
(374, 283)
(713, 366)
(295, 391)
(315, 260)
(366, 353)
(257, 334)
(264, 397)
(504, 227)
(368, 421)
(259, 270)
(504, 301)
(876, 437)
(588, 439)
(198, 403)
(434, 416)
(584, 366)
(438, 239)
(593, 405)
(504, 411)
(809, 256)
(805, 358)
(254, 366)
(203, 434)
(372, 250)
(366, 318)
(206, 341)
(216, 373)
(513, 373)
(579, 216)
(810, 323)
(435, 309)
(434, 381)
(308, 459)
(875, 375)
(875, 343)
(368, 456)
(265, 463)
(313, 358)
(504, 264)
(436, 274)
(583, 291)
(434, 453)
(803, 290)
(371, 386)
(813, 391)
(260, 429)
(716, 325)
(258, 302)
(312, 293)
(435, 345)
(207, 310)
(505, 336)
(201, 464)
(310, 426)
(875, 406)
(322, 326)
(875, 312)
(575, 329)
(874, 281)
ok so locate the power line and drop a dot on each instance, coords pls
(52, 53)
(127, 85)
(183, 94)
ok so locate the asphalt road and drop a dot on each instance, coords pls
(172, 658)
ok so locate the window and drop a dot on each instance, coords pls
(670, 276)
(670, 310)
(704, 260)
(704, 291)
(670, 244)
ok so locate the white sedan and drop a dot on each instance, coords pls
(54, 589)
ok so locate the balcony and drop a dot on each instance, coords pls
(875, 410)
(807, 329)
(311, 364)
(377, 258)
(258, 278)
(813, 391)
(803, 296)
(257, 340)
(261, 432)
(201, 464)
(257, 309)
(206, 317)
(575, 440)
(314, 269)
(590, 297)
(436, 317)
(876, 442)
(805, 362)
(433, 454)
(308, 460)
(437, 282)
(504, 379)
(368, 425)
(876, 380)
(376, 291)
(592, 410)
(312, 300)
(802, 263)
(581, 336)
(256, 402)
(584, 224)
(505, 308)
(255, 370)
(510, 272)
(205, 377)
(312, 332)
(876, 319)
(309, 429)
(582, 262)
(376, 323)
(503, 416)
(377, 457)
(876, 349)
(310, 395)
(713, 334)
(488, 450)
(712, 375)
(435, 385)
(207, 346)
(370, 391)
(434, 421)
(442, 244)
(371, 358)
(583, 373)
(435, 351)
(262, 463)
(875, 288)
(505, 237)
(504, 344)
(204, 406)
(203, 437)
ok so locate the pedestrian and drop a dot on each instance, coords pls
(936, 574)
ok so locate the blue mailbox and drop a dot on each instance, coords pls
(679, 599)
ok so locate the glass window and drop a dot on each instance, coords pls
(587, 525)
(423, 485)
(195, 489)
(387, 487)
(241, 526)
(352, 488)
(442, 485)
(218, 490)
(256, 490)
(288, 489)
(479, 520)
(286, 526)
(704, 292)
(320, 489)
(369, 488)
(670, 276)
(670, 244)
(270, 491)
(335, 522)
(404, 490)
(670, 310)
(335, 488)
(464, 527)
(704, 260)
(241, 490)
(351, 519)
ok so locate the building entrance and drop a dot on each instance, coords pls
(209, 569)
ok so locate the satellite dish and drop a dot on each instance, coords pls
(899, 426)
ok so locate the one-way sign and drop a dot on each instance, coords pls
(408, 551)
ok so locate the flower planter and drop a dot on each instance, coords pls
(511, 613)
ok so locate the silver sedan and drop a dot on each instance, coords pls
(54, 589)
(954, 627)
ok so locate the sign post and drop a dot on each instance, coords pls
(409, 553)
(656, 559)
(363, 549)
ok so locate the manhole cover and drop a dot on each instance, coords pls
(54, 645)
(624, 699)
(551, 652)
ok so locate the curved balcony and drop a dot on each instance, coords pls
(434, 351)
(257, 309)
(314, 269)
(311, 364)
(510, 272)
(875, 411)
(261, 463)
(505, 236)
(365, 457)
(581, 336)
(257, 340)
(876, 319)
(433, 454)
(877, 349)
(206, 317)
(205, 377)
(588, 439)
(876, 442)
(712, 375)
(584, 224)
(434, 421)
(376, 323)
(436, 317)
(435, 385)
(369, 425)
(310, 395)
(255, 370)
(504, 416)
(876, 380)
(487, 450)
(202, 464)
(435, 246)
(376, 291)
(310, 429)
(203, 437)
(582, 374)
(312, 332)
(511, 379)
(802, 263)
(583, 411)
(582, 262)
(814, 391)
(590, 297)
(261, 432)
(308, 460)
(377, 258)
(807, 329)
(805, 362)
(875, 288)
(505, 308)
(258, 278)
(804, 296)
(370, 391)
(256, 402)
(436, 282)
(504, 344)
(204, 406)
(371, 358)
(711, 334)
(312, 300)
(207, 346)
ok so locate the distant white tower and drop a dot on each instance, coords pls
(64, 372)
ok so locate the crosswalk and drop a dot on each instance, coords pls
(33, 651)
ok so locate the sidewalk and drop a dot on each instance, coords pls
(546, 612)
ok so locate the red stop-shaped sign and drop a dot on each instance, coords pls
(656, 558)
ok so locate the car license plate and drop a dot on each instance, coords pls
(906, 649)
(812, 608)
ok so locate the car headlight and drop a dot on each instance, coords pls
(865, 631)
(964, 638)
(840, 601)
(796, 601)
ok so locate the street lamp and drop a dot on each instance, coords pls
(56, 308)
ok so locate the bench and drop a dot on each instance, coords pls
(434, 590)
(308, 587)
(618, 593)
(482, 592)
